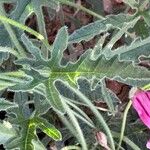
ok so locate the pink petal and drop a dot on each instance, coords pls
(141, 103)
(102, 140)
(144, 97)
(119, 1)
(148, 144)
(107, 4)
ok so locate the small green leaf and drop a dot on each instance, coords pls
(48, 128)
(59, 45)
(131, 52)
(6, 132)
(146, 15)
(131, 3)
(89, 31)
(9, 50)
(9, 79)
(38, 145)
(5, 104)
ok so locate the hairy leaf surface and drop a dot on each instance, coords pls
(88, 32)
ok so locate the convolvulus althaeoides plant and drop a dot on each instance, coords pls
(141, 103)
(44, 86)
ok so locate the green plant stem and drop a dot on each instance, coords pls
(9, 50)
(124, 123)
(21, 26)
(75, 124)
(98, 108)
(127, 140)
(71, 148)
(11, 33)
(24, 28)
(147, 87)
(96, 113)
(80, 7)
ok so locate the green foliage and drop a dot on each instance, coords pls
(98, 27)
(43, 78)
(4, 104)
(131, 3)
(132, 52)
(28, 122)
(6, 132)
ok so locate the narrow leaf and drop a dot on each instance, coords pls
(5, 104)
(48, 129)
(6, 132)
(88, 32)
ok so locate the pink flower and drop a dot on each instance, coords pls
(148, 144)
(141, 103)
